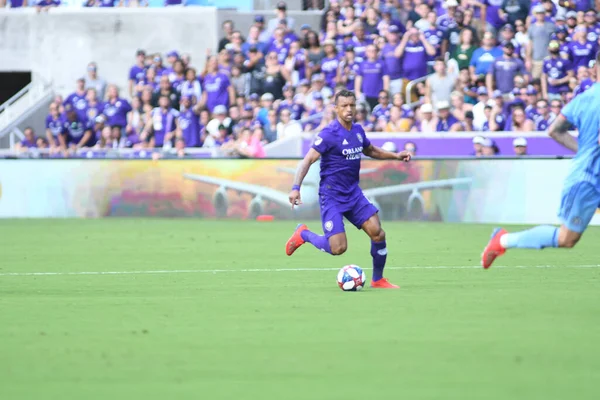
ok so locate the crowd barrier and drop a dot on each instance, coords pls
(477, 191)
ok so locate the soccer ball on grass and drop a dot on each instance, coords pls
(351, 278)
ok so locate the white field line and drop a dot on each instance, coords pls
(218, 271)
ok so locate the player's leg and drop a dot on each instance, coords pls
(364, 216)
(578, 205)
(333, 241)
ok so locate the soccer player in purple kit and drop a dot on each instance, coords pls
(340, 146)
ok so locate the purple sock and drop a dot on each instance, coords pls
(379, 254)
(319, 241)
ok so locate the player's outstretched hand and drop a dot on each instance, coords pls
(295, 198)
(404, 156)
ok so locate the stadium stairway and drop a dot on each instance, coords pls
(27, 107)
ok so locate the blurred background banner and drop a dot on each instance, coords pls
(486, 191)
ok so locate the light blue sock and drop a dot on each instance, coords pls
(535, 238)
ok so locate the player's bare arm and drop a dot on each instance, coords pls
(380, 154)
(301, 172)
(559, 132)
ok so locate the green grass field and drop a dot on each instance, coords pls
(208, 327)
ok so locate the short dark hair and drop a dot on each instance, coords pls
(344, 93)
(440, 59)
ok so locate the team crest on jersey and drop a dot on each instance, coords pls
(329, 226)
(318, 140)
(359, 136)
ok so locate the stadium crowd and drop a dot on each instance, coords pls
(415, 65)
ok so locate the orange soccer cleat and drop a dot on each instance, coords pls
(493, 249)
(296, 240)
(383, 283)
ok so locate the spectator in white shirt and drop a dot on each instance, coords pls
(287, 126)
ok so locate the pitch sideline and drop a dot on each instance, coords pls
(255, 270)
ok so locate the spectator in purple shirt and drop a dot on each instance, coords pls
(45, 5)
(544, 117)
(29, 142)
(445, 119)
(217, 89)
(556, 73)
(330, 63)
(392, 62)
(383, 108)
(54, 126)
(372, 77)
(504, 69)
(137, 73)
(348, 69)
(415, 51)
(76, 132)
(581, 51)
(162, 124)
(94, 107)
(77, 98)
(188, 123)
(115, 110)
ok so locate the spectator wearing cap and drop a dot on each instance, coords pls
(489, 148)
(212, 127)
(76, 133)
(78, 98)
(478, 146)
(157, 66)
(520, 146)
(503, 70)
(372, 77)
(466, 125)
(280, 13)
(54, 126)
(544, 117)
(216, 87)
(348, 69)
(389, 20)
(137, 73)
(162, 124)
(415, 51)
(427, 122)
(483, 99)
(507, 34)
(227, 26)
(439, 85)
(580, 50)
(287, 126)
(446, 21)
(539, 38)
(445, 120)
(392, 62)
(556, 73)
(92, 80)
(188, 123)
(484, 56)
(172, 57)
(263, 34)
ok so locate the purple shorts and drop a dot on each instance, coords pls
(357, 211)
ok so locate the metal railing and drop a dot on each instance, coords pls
(409, 87)
(21, 105)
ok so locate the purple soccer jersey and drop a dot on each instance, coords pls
(434, 37)
(372, 73)
(381, 111)
(216, 86)
(556, 68)
(79, 103)
(137, 73)
(445, 125)
(190, 128)
(583, 86)
(55, 125)
(504, 69)
(581, 54)
(414, 61)
(393, 64)
(116, 112)
(329, 67)
(339, 193)
(281, 49)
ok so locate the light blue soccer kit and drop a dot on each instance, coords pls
(581, 192)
